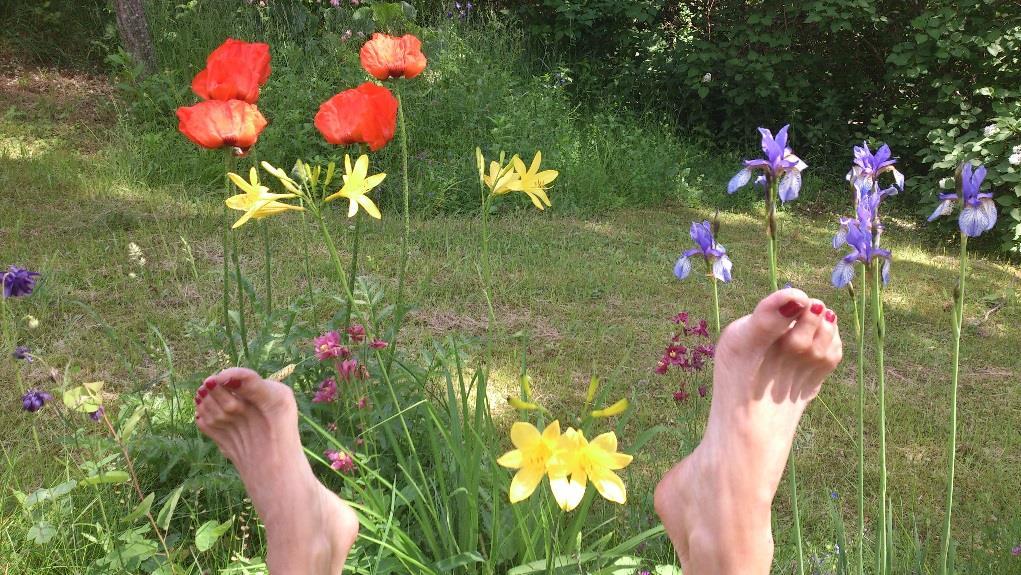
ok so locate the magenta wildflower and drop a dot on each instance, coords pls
(680, 396)
(703, 390)
(1016, 551)
(328, 346)
(341, 461)
(681, 318)
(348, 369)
(662, 366)
(362, 403)
(378, 343)
(356, 332)
(327, 392)
(701, 329)
(34, 400)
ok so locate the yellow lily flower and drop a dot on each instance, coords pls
(357, 183)
(533, 451)
(256, 201)
(578, 461)
(500, 176)
(531, 181)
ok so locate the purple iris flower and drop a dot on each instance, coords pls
(34, 400)
(859, 238)
(22, 352)
(868, 166)
(18, 282)
(978, 214)
(715, 255)
(866, 211)
(779, 165)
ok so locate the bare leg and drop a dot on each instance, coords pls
(715, 504)
(254, 422)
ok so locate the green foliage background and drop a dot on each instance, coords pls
(925, 77)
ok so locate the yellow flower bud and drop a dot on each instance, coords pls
(615, 409)
(593, 387)
(518, 403)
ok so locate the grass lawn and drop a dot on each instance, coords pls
(593, 295)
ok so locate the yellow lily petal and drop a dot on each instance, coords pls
(374, 180)
(513, 459)
(534, 168)
(567, 493)
(609, 485)
(361, 167)
(524, 435)
(249, 214)
(352, 207)
(525, 481)
(368, 205)
(546, 176)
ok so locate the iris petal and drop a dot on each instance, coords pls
(739, 180)
(682, 268)
(843, 273)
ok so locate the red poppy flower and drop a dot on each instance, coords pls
(215, 124)
(386, 56)
(366, 114)
(234, 71)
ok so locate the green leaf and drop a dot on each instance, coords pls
(115, 476)
(461, 559)
(167, 511)
(85, 398)
(129, 426)
(141, 509)
(208, 533)
(45, 494)
(42, 532)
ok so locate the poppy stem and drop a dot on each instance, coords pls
(406, 239)
(241, 297)
(354, 267)
(958, 324)
(308, 261)
(267, 254)
(228, 328)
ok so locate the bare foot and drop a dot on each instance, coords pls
(254, 422)
(715, 504)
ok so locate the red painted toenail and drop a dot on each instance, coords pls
(210, 385)
(830, 316)
(233, 384)
(198, 400)
(791, 309)
(203, 392)
(816, 308)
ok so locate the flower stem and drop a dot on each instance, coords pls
(335, 257)
(859, 329)
(308, 261)
(267, 254)
(354, 266)
(405, 241)
(228, 328)
(958, 324)
(241, 297)
(716, 305)
(877, 313)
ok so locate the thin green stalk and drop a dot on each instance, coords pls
(774, 246)
(406, 240)
(228, 328)
(308, 261)
(241, 297)
(716, 304)
(877, 313)
(958, 322)
(267, 254)
(859, 328)
(354, 266)
(335, 257)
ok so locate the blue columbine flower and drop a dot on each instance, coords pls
(859, 238)
(98, 414)
(780, 165)
(18, 282)
(978, 214)
(22, 352)
(715, 255)
(868, 167)
(34, 400)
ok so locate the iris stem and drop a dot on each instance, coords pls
(791, 465)
(354, 266)
(958, 324)
(877, 312)
(859, 329)
(716, 305)
(267, 254)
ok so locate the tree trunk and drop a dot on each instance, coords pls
(134, 33)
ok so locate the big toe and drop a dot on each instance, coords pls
(769, 322)
(248, 385)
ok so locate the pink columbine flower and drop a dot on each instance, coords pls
(356, 332)
(1016, 551)
(662, 366)
(681, 318)
(328, 346)
(703, 390)
(362, 403)
(341, 461)
(680, 396)
(327, 392)
(378, 343)
(702, 329)
(348, 369)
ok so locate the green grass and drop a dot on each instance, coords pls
(593, 294)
